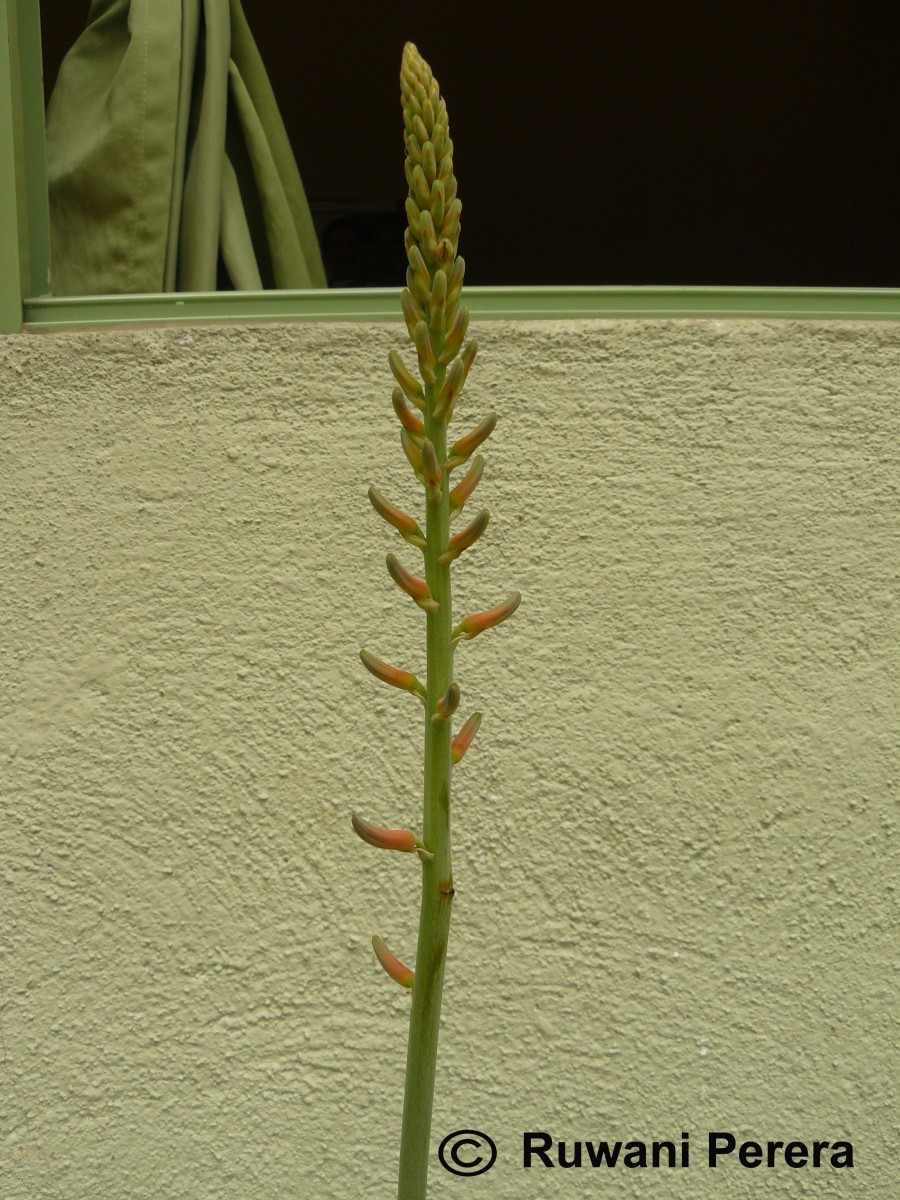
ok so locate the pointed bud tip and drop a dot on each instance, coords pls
(397, 970)
(384, 839)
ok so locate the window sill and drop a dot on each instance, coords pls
(60, 314)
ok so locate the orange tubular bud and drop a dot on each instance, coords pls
(431, 471)
(471, 626)
(425, 353)
(413, 215)
(384, 839)
(455, 335)
(408, 419)
(429, 163)
(417, 588)
(470, 442)
(401, 521)
(445, 171)
(466, 486)
(447, 705)
(422, 190)
(412, 450)
(410, 386)
(468, 355)
(455, 282)
(437, 316)
(450, 389)
(438, 202)
(429, 237)
(395, 968)
(421, 280)
(463, 739)
(405, 680)
(466, 537)
(450, 223)
(412, 314)
(444, 252)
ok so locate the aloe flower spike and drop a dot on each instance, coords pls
(437, 324)
(395, 968)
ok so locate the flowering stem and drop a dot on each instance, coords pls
(437, 875)
(436, 322)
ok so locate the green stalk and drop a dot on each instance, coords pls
(437, 874)
(437, 322)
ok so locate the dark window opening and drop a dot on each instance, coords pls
(600, 143)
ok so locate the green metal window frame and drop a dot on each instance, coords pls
(25, 304)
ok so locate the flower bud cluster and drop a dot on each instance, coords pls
(435, 318)
(437, 323)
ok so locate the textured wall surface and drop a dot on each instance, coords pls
(675, 832)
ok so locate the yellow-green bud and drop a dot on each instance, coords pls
(437, 203)
(429, 171)
(428, 240)
(413, 215)
(431, 470)
(455, 282)
(450, 389)
(412, 314)
(429, 162)
(466, 537)
(469, 442)
(466, 486)
(410, 386)
(425, 353)
(408, 419)
(413, 451)
(455, 335)
(437, 308)
(421, 190)
(422, 286)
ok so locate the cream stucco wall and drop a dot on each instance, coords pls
(674, 835)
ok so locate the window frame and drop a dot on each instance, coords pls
(25, 303)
